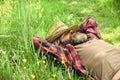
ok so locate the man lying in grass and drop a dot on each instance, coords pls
(82, 48)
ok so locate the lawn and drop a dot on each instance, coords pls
(20, 20)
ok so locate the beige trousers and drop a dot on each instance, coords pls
(100, 57)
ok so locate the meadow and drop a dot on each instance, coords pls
(20, 20)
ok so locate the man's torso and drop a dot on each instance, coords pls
(100, 57)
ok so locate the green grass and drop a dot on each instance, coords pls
(20, 20)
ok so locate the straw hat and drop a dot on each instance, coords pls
(58, 29)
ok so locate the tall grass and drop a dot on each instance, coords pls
(20, 20)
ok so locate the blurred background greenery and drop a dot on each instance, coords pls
(20, 20)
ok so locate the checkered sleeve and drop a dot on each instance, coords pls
(67, 55)
(90, 27)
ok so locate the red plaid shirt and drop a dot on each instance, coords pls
(68, 54)
(90, 27)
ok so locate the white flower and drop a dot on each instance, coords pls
(70, 16)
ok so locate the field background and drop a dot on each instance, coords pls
(20, 20)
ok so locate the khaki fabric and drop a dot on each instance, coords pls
(100, 57)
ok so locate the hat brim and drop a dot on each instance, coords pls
(54, 36)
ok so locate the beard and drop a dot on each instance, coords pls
(77, 38)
